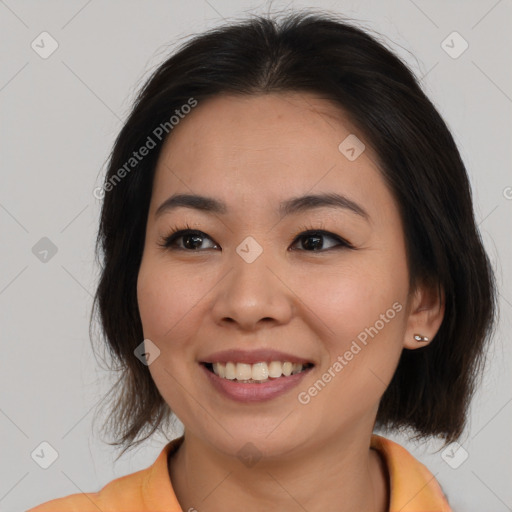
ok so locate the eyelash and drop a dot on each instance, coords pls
(177, 232)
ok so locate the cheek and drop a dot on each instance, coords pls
(353, 299)
(363, 309)
(166, 298)
(166, 301)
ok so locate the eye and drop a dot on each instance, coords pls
(313, 240)
(188, 239)
(191, 239)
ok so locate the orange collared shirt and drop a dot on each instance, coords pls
(412, 487)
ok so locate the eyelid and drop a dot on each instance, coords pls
(177, 232)
(311, 230)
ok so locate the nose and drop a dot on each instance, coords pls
(253, 295)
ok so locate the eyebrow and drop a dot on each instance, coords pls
(288, 207)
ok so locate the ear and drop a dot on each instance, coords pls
(426, 313)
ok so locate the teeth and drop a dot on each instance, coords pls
(221, 370)
(259, 372)
(296, 368)
(243, 371)
(230, 370)
(275, 369)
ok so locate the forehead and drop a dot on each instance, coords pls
(256, 147)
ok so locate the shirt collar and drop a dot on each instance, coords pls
(413, 488)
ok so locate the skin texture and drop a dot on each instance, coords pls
(252, 152)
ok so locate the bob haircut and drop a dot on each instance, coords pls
(319, 53)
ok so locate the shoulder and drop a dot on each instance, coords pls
(149, 489)
(413, 487)
(122, 492)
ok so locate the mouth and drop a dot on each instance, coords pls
(257, 373)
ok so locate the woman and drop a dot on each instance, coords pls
(290, 262)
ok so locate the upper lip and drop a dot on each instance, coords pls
(253, 356)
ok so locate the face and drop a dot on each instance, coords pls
(326, 284)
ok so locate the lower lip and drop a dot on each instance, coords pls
(241, 392)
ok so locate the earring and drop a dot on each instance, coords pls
(419, 338)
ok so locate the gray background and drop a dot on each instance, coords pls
(59, 117)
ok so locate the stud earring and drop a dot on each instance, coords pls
(419, 338)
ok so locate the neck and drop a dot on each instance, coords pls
(344, 474)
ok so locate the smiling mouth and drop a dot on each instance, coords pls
(256, 373)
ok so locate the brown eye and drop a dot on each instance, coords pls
(310, 241)
(186, 240)
(313, 241)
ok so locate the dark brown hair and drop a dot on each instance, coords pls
(320, 53)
